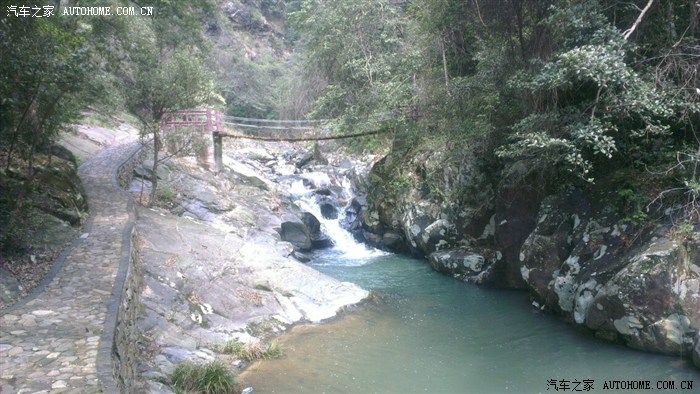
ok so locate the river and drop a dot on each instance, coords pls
(430, 333)
(425, 332)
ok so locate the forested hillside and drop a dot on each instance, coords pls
(64, 68)
(551, 146)
(573, 91)
(552, 142)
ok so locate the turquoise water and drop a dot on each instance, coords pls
(429, 333)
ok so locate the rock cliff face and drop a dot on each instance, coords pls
(631, 285)
(636, 285)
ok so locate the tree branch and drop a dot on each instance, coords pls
(629, 31)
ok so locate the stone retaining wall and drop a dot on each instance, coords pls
(125, 172)
(122, 317)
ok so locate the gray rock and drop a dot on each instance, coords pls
(155, 387)
(316, 180)
(285, 249)
(328, 210)
(10, 290)
(145, 170)
(461, 263)
(304, 160)
(257, 154)
(64, 153)
(304, 258)
(176, 355)
(318, 239)
(392, 240)
(61, 194)
(352, 221)
(651, 303)
(696, 351)
(296, 233)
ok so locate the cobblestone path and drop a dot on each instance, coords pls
(50, 343)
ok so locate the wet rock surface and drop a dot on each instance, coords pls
(222, 257)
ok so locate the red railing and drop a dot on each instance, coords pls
(202, 118)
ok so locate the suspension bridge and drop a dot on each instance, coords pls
(258, 129)
(222, 126)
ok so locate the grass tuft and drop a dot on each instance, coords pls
(253, 351)
(210, 378)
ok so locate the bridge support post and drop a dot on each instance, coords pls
(218, 152)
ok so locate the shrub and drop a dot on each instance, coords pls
(210, 378)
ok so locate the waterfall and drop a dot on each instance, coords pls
(343, 242)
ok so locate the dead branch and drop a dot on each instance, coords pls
(629, 31)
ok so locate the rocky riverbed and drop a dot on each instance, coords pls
(222, 254)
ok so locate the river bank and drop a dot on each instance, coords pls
(220, 255)
(430, 333)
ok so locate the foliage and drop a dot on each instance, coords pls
(253, 351)
(602, 107)
(210, 378)
(574, 90)
(20, 227)
(164, 79)
(43, 77)
(366, 66)
(250, 54)
(166, 195)
(187, 141)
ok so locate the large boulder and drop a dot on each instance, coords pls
(327, 203)
(641, 289)
(304, 232)
(316, 180)
(352, 221)
(319, 240)
(257, 154)
(61, 194)
(460, 263)
(297, 233)
(248, 176)
(420, 202)
(652, 303)
(546, 249)
(145, 170)
(305, 159)
(10, 288)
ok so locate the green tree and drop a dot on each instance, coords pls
(362, 53)
(166, 85)
(598, 96)
(166, 71)
(42, 78)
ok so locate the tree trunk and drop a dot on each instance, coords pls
(444, 63)
(154, 173)
(694, 11)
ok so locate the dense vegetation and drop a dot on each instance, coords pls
(55, 68)
(574, 90)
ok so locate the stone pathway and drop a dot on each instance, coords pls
(58, 340)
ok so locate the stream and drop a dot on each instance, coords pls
(429, 333)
